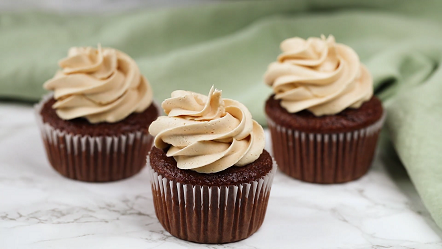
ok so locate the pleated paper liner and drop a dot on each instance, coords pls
(94, 158)
(324, 158)
(212, 214)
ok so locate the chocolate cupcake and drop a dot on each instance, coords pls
(210, 174)
(323, 118)
(95, 124)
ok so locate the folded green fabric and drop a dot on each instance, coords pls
(229, 45)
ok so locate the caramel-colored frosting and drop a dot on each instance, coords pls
(101, 85)
(319, 75)
(207, 134)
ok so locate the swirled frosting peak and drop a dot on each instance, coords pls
(101, 85)
(207, 134)
(319, 75)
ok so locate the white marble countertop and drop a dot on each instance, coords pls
(41, 209)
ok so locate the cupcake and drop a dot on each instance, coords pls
(95, 124)
(210, 174)
(323, 118)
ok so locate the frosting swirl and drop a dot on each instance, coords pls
(101, 85)
(207, 134)
(319, 75)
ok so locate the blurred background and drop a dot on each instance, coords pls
(72, 6)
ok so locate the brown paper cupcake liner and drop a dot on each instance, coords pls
(94, 158)
(324, 158)
(210, 214)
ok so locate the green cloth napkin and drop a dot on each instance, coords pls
(229, 45)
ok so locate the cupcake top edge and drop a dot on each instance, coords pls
(207, 134)
(99, 84)
(318, 75)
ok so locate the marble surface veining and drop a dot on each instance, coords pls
(41, 209)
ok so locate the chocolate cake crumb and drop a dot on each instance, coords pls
(347, 120)
(167, 167)
(132, 123)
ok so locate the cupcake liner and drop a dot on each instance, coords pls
(210, 214)
(94, 158)
(324, 158)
